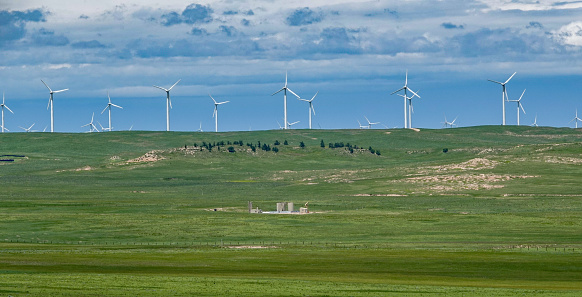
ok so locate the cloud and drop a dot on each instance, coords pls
(88, 44)
(505, 41)
(198, 31)
(449, 25)
(245, 22)
(193, 14)
(228, 30)
(83, 17)
(534, 25)
(13, 23)
(570, 34)
(304, 16)
(45, 37)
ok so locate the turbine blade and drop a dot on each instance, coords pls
(495, 81)
(521, 106)
(223, 102)
(170, 101)
(8, 109)
(367, 120)
(278, 91)
(212, 98)
(521, 95)
(46, 85)
(413, 93)
(49, 104)
(293, 93)
(509, 78)
(303, 99)
(312, 109)
(105, 109)
(60, 91)
(174, 84)
(397, 91)
(161, 88)
(314, 96)
(116, 106)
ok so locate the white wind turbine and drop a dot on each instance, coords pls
(109, 107)
(535, 123)
(519, 105)
(285, 89)
(370, 123)
(168, 103)
(215, 113)
(504, 96)
(29, 129)
(92, 126)
(200, 129)
(407, 124)
(311, 109)
(280, 127)
(4, 106)
(450, 124)
(576, 119)
(51, 104)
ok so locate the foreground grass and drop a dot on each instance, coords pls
(65, 270)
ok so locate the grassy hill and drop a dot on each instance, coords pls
(481, 211)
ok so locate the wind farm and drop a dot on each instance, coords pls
(441, 193)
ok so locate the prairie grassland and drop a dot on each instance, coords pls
(151, 213)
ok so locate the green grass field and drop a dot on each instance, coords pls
(152, 214)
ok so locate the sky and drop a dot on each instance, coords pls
(354, 53)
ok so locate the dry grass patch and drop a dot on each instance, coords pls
(457, 182)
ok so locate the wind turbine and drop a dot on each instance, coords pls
(504, 96)
(535, 123)
(285, 89)
(311, 109)
(280, 127)
(51, 104)
(200, 129)
(4, 106)
(576, 119)
(109, 107)
(92, 127)
(519, 105)
(28, 129)
(168, 103)
(407, 124)
(215, 113)
(362, 126)
(370, 123)
(450, 124)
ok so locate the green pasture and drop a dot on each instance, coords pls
(490, 211)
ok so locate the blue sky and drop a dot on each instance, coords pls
(355, 53)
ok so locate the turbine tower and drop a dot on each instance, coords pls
(285, 89)
(109, 107)
(503, 93)
(576, 119)
(535, 123)
(4, 106)
(168, 103)
(311, 109)
(215, 113)
(407, 124)
(51, 104)
(519, 105)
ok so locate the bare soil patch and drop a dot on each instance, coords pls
(151, 156)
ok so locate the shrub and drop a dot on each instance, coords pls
(275, 149)
(277, 142)
(445, 150)
(322, 144)
(231, 149)
(285, 143)
(301, 144)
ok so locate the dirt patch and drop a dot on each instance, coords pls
(378, 195)
(562, 160)
(415, 129)
(473, 164)
(457, 182)
(86, 168)
(151, 156)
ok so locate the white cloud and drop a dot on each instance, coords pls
(530, 5)
(570, 34)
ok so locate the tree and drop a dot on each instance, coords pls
(231, 149)
(277, 142)
(322, 144)
(302, 145)
(378, 152)
(285, 143)
(275, 149)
